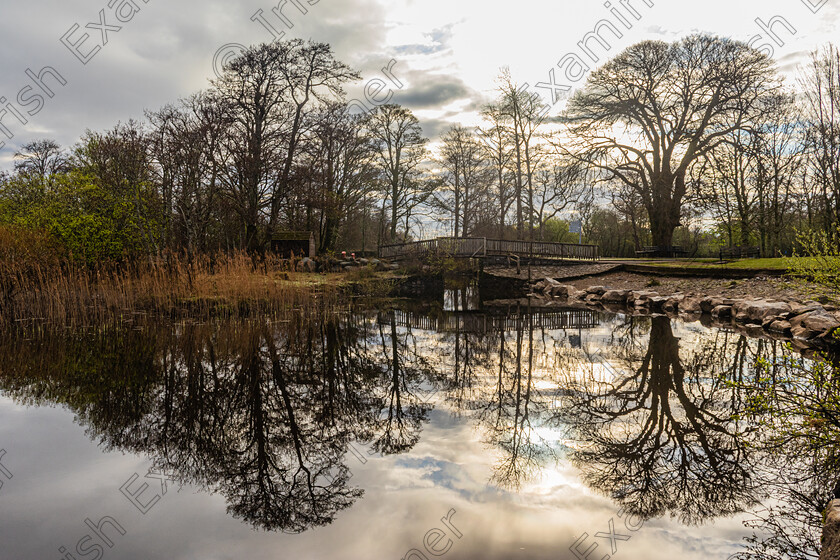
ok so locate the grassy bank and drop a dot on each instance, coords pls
(779, 264)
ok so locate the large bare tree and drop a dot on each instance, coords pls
(497, 147)
(341, 157)
(651, 113)
(524, 113)
(185, 143)
(271, 87)
(42, 159)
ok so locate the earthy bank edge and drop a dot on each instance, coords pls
(806, 323)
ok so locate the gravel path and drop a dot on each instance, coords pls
(557, 272)
(583, 276)
(759, 287)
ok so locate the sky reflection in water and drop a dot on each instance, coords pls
(351, 436)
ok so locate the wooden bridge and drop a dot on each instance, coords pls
(480, 247)
(473, 322)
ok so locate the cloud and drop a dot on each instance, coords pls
(446, 51)
(434, 91)
(437, 42)
(434, 128)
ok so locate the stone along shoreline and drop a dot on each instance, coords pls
(807, 323)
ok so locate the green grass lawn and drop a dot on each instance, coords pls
(705, 264)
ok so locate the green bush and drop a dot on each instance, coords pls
(93, 223)
(818, 259)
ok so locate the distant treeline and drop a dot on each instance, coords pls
(695, 143)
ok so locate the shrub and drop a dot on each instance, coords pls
(818, 259)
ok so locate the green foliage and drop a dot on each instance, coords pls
(819, 259)
(701, 265)
(797, 403)
(557, 231)
(91, 222)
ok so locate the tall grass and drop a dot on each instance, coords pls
(39, 284)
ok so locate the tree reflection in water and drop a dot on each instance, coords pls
(263, 412)
(656, 432)
(517, 403)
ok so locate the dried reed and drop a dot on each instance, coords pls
(40, 288)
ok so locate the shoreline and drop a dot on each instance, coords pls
(761, 306)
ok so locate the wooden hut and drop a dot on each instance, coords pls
(297, 243)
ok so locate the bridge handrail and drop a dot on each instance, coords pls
(473, 246)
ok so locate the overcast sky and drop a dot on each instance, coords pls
(448, 52)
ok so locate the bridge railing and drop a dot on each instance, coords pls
(543, 249)
(482, 247)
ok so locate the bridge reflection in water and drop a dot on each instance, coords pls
(494, 320)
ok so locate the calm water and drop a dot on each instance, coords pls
(511, 433)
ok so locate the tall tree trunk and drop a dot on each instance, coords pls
(457, 201)
(330, 235)
(664, 209)
(394, 210)
(502, 200)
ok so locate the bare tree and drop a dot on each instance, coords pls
(628, 204)
(525, 113)
(780, 159)
(43, 159)
(559, 185)
(401, 148)
(309, 73)
(821, 85)
(497, 146)
(655, 110)
(253, 85)
(747, 182)
(185, 145)
(342, 156)
(730, 187)
(466, 178)
(270, 87)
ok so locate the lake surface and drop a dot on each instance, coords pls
(512, 432)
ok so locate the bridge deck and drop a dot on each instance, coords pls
(479, 247)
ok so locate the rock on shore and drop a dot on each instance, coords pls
(809, 321)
